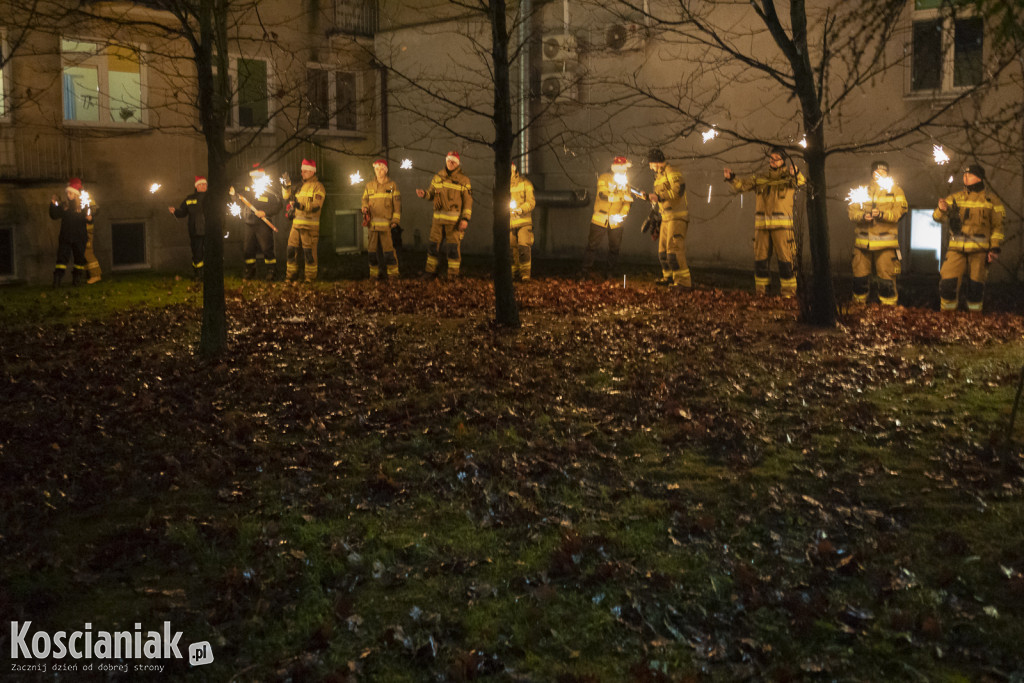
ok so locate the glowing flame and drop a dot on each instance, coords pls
(154, 187)
(512, 205)
(85, 199)
(939, 155)
(406, 164)
(950, 181)
(355, 178)
(859, 195)
(260, 184)
(621, 179)
(235, 209)
(709, 134)
(885, 183)
(803, 142)
(615, 219)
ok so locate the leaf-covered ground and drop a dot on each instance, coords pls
(376, 484)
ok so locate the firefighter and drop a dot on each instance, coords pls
(521, 224)
(670, 196)
(192, 208)
(876, 237)
(304, 207)
(75, 212)
(259, 237)
(382, 212)
(610, 209)
(453, 207)
(975, 216)
(773, 219)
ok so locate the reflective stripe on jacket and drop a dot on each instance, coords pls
(982, 215)
(882, 232)
(671, 190)
(384, 203)
(452, 195)
(522, 195)
(309, 201)
(774, 193)
(612, 200)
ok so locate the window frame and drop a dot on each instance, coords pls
(948, 15)
(332, 97)
(234, 125)
(105, 120)
(147, 263)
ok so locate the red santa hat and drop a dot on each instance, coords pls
(382, 162)
(199, 179)
(452, 155)
(256, 170)
(621, 161)
(308, 165)
(74, 186)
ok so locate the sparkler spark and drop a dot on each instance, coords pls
(85, 199)
(939, 155)
(621, 179)
(154, 187)
(859, 195)
(885, 183)
(950, 181)
(235, 209)
(354, 178)
(803, 142)
(406, 164)
(260, 184)
(709, 134)
(615, 219)
(512, 205)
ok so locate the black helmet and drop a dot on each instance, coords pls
(656, 156)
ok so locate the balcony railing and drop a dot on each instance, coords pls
(40, 157)
(355, 18)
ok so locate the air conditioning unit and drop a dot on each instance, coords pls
(561, 86)
(559, 47)
(625, 37)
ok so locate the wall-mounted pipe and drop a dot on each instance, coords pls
(562, 199)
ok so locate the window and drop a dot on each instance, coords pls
(925, 241)
(331, 99)
(250, 98)
(947, 47)
(128, 245)
(348, 232)
(102, 83)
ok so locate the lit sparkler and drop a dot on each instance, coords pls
(235, 209)
(406, 164)
(512, 205)
(355, 178)
(615, 219)
(709, 134)
(621, 179)
(803, 142)
(885, 183)
(260, 184)
(859, 195)
(154, 187)
(85, 200)
(939, 154)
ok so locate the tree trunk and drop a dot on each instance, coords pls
(506, 312)
(821, 297)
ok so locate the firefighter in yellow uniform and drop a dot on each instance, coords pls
(610, 209)
(876, 237)
(521, 224)
(670, 196)
(975, 217)
(453, 208)
(305, 232)
(773, 219)
(92, 264)
(382, 211)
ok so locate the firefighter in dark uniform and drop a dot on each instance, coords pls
(74, 213)
(192, 208)
(773, 219)
(452, 195)
(975, 217)
(259, 237)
